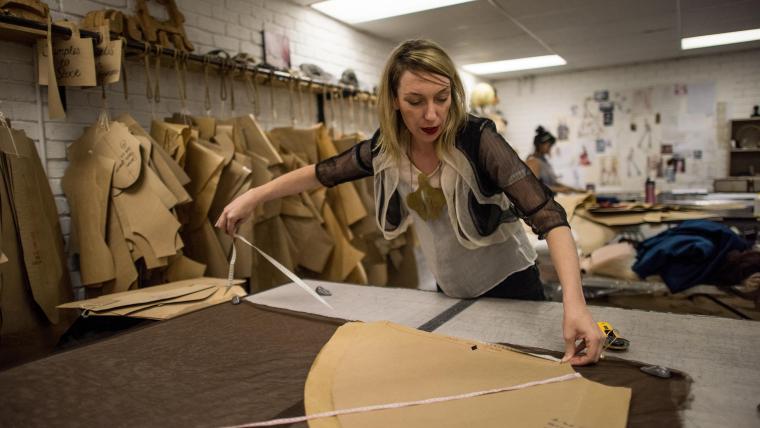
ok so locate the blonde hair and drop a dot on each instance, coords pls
(417, 56)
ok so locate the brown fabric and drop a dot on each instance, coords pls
(654, 402)
(230, 364)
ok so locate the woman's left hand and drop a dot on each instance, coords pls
(577, 324)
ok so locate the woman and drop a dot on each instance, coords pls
(541, 168)
(462, 185)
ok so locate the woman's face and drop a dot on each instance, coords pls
(424, 100)
(545, 148)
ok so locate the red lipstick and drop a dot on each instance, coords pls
(430, 131)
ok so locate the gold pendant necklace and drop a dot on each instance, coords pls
(427, 200)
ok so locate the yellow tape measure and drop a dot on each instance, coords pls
(614, 342)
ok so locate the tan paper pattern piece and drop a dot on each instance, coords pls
(377, 363)
(37, 222)
(72, 60)
(204, 167)
(46, 75)
(257, 140)
(108, 63)
(87, 185)
(119, 145)
(125, 273)
(162, 301)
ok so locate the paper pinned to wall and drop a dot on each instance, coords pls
(701, 99)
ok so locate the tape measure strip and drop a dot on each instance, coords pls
(434, 400)
(293, 277)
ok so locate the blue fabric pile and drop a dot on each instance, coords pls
(688, 254)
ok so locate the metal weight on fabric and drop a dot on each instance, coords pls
(658, 371)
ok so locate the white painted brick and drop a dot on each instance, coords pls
(62, 205)
(56, 168)
(55, 186)
(116, 4)
(31, 129)
(239, 6)
(279, 6)
(76, 283)
(15, 91)
(195, 6)
(251, 48)
(16, 71)
(80, 7)
(263, 14)
(286, 21)
(238, 32)
(229, 44)
(253, 23)
(63, 131)
(222, 14)
(65, 222)
(257, 37)
(198, 36)
(15, 52)
(20, 111)
(215, 26)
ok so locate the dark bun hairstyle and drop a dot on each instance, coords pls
(543, 136)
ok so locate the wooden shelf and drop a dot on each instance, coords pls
(21, 34)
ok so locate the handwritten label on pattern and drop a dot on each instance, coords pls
(73, 62)
(108, 63)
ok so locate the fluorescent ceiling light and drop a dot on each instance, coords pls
(356, 11)
(720, 39)
(514, 64)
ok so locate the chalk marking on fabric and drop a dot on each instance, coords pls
(365, 409)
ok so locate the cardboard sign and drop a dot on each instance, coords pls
(73, 60)
(108, 63)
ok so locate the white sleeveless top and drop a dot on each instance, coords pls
(462, 272)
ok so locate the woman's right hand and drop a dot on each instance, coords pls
(237, 212)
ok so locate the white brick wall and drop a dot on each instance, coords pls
(234, 25)
(544, 99)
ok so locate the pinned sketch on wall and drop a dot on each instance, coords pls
(642, 102)
(608, 109)
(701, 99)
(655, 166)
(645, 137)
(601, 96)
(608, 174)
(591, 124)
(563, 132)
(600, 145)
(584, 160)
(647, 130)
(631, 165)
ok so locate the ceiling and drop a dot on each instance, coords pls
(586, 33)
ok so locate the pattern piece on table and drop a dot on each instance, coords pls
(376, 363)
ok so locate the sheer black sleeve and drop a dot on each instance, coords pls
(532, 199)
(353, 164)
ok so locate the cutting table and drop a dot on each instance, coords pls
(721, 355)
